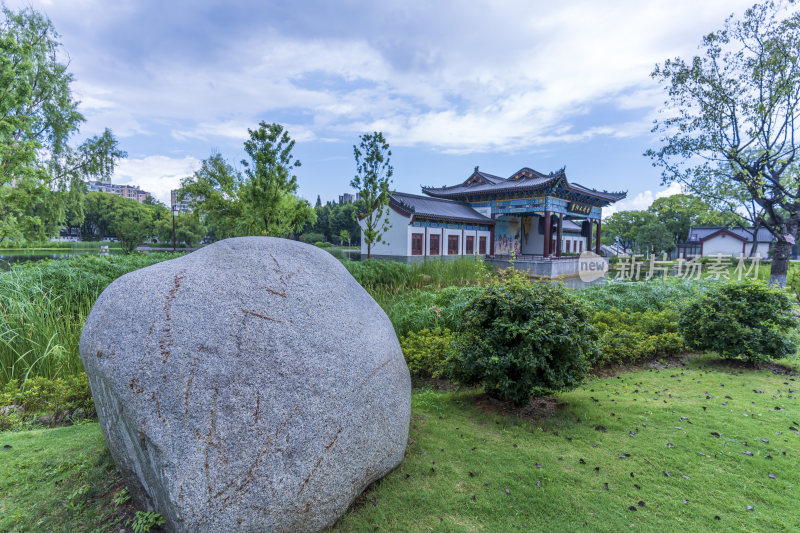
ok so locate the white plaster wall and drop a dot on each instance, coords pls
(535, 244)
(722, 244)
(462, 236)
(762, 249)
(398, 241)
(573, 239)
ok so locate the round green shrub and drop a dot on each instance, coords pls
(745, 319)
(520, 339)
(427, 351)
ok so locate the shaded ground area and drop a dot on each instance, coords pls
(536, 409)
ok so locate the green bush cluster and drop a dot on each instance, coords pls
(427, 351)
(628, 337)
(39, 396)
(793, 282)
(520, 338)
(747, 320)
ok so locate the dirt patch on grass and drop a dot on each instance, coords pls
(657, 363)
(537, 409)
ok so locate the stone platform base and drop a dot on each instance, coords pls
(566, 267)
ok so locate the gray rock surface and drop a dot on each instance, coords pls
(252, 385)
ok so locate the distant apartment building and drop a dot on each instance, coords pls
(184, 206)
(346, 198)
(126, 191)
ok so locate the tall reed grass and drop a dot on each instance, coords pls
(39, 329)
(390, 276)
(43, 306)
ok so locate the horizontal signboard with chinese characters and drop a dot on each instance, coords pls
(581, 209)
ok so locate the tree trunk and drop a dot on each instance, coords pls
(369, 249)
(755, 238)
(782, 252)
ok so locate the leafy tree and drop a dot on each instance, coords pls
(131, 221)
(622, 226)
(98, 209)
(677, 213)
(260, 201)
(292, 215)
(372, 180)
(344, 218)
(322, 224)
(189, 228)
(344, 235)
(652, 236)
(37, 117)
(730, 120)
(214, 190)
(269, 179)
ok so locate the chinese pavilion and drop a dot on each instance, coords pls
(530, 209)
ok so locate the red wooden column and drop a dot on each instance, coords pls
(558, 237)
(547, 234)
(597, 245)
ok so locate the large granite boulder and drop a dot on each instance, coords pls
(252, 385)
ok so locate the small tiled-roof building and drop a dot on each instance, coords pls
(423, 226)
(528, 213)
(709, 241)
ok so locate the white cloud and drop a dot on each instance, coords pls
(460, 78)
(156, 174)
(642, 200)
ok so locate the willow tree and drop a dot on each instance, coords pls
(728, 126)
(40, 173)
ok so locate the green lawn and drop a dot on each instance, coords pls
(59, 479)
(470, 471)
(467, 470)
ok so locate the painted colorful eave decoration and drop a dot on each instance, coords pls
(528, 191)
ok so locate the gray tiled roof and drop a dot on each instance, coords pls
(698, 233)
(425, 206)
(525, 178)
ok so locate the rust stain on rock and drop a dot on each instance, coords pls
(374, 372)
(166, 341)
(257, 315)
(158, 407)
(305, 481)
(246, 478)
(192, 370)
(276, 293)
(135, 387)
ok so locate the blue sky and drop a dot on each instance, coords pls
(451, 84)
